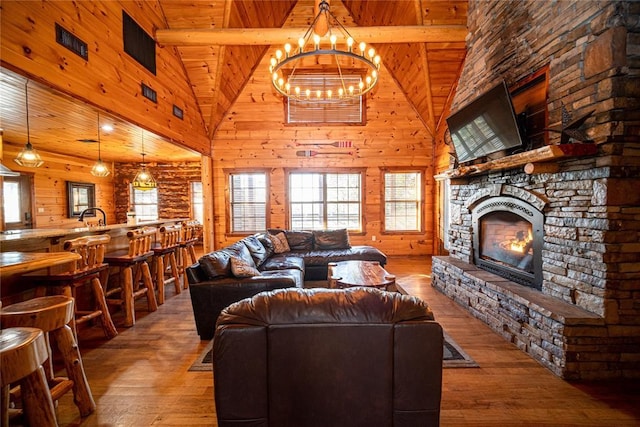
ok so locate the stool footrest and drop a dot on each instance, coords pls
(59, 386)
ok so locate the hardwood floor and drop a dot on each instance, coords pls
(141, 378)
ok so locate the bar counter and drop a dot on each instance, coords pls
(52, 239)
(47, 240)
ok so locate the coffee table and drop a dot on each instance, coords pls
(347, 274)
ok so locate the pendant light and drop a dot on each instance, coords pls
(28, 157)
(144, 180)
(99, 169)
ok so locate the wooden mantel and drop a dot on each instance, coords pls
(530, 158)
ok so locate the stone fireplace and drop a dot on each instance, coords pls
(507, 238)
(547, 255)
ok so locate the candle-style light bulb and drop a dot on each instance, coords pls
(368, 79)
(350, 90)
(350, 43)
(301, 44)
(287, 87)
(319, 94)
(287, 49)
(280, 82)
(372, 53)
(316, 41)
(340, 92)
(308, 93)
(297, 90)
(376, 60)
(333, 40)
(275, 76)
(329, 93)
(363, 46)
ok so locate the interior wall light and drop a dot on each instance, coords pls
(144, 180)
(337, 55)
(100, 169)
(28, 157)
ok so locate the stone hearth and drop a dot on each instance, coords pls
(584, 322)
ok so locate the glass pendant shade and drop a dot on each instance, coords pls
(144, 180)
(28, 157)
(99, 169)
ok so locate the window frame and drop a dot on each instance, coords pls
(363, 103)
(363, 175)
(194, 202)
(132, 201)
(227, 194)
(383, 201)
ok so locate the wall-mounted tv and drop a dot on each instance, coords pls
(486, 125)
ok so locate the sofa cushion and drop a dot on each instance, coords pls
(216, 264)
(299, 240)
(280, 244)
(257, 250)
(242, 269)
(240, 250)
(266, 242)
(283, 262)
(331, 239)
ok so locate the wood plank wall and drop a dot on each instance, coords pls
(253, 135)
(50, 187)
(110, 79)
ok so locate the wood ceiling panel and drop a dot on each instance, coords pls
(57, 122)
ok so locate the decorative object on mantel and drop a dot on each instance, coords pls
(99, 169)
(538, 155)
(338, 144)
(144, 180)
(28, 157)
(332, 60)
(569, 130)
(312, 153)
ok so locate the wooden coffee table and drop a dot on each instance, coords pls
(347, 274)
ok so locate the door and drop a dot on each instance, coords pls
(16, 194)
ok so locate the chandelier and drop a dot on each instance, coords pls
(336, 55)
(28, 157)
(144, 180)
(99, 169)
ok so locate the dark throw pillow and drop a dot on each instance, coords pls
(257, 250)
(216, 264)
(299, 240)
(331, 239)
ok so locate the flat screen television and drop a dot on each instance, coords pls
(486, 125)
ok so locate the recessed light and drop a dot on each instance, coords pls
(107, 128)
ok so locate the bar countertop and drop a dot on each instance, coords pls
(40, 233)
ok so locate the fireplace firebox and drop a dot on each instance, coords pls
(507, 239)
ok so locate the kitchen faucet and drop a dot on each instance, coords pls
(104, 215)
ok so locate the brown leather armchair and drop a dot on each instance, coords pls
(328, 357)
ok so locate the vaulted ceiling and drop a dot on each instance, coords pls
(222, 43)
(425, 71)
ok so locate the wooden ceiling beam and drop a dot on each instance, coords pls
(269, 36)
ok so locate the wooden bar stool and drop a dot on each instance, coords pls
(23, 351)
(53, 314)
(165, 260)
(191, 233)
(89, 270)
(133, 267)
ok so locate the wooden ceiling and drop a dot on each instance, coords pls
(425, 69)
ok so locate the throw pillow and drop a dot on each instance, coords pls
(257, 250)
(331, 239)
(280, 243)
(299, 240)
(242, 269)
(216, 264)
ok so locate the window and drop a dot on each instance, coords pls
(80, 196)
(145, 204)
(12, 205)
(403, 201)
(197, 207)
(247, 202)
(325, 201)
(333, 112)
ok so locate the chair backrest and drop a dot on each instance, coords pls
(91, 250)
(169, 236)
(191, 231)
(318, 357)
(140, 240)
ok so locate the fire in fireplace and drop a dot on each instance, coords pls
(507, 239)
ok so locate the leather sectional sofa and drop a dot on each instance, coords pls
(253, 265)
(328, 357)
